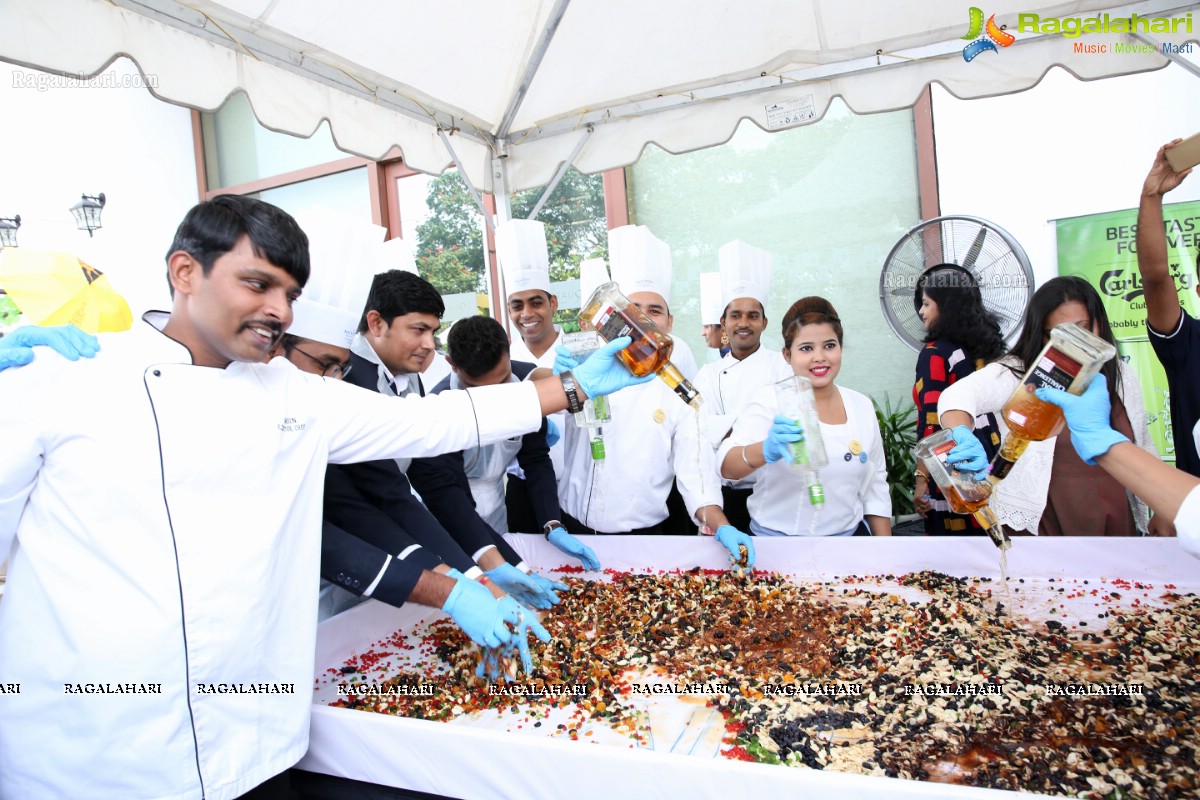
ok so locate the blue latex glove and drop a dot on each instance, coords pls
(480, 615)
(732, 540)
(521, 586)
(602, 373)
(527, 622)
(16, 349)
(552, 432)
(968, 454)
(563, 360)
(784, 431)
(1088, 418)
(548, 589)
(573, 547)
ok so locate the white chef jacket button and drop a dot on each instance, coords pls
(158, 373)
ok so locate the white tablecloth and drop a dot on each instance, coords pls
(465, 760)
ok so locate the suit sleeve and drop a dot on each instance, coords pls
(442, 484)
(541, 483)
(386, 487)
(354, 564)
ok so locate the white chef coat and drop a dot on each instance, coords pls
(517, 351)
(485, 467)
(726, 387)
(652, 440)
(168, 521)
(683, 358)
(854, 487)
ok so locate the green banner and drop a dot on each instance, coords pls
(1102, 249)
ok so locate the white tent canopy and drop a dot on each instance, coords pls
(516, 90)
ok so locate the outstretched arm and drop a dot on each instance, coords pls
(1162, 301)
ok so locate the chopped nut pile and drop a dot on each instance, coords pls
(852, 676)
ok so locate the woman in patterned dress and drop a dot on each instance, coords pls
(961, 336)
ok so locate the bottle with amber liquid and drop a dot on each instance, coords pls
(962, 491)
(1069, 361)
(610, 314)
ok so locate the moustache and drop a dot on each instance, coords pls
(274, 327)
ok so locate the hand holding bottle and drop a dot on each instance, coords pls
(573, 547)
(602, 373)
(783, 433)
(16, 349)
(968, 454)
(1088, 418)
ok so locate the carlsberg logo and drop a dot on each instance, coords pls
(1075, 26)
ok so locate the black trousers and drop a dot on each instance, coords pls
(734, 506)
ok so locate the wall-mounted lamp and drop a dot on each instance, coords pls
(8, 231)
(87, 212)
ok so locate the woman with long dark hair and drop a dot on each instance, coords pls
(1051, 491)
(960, 337)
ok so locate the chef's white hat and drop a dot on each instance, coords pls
(639, 261)
(745, 272)
(345, 254)
(521, 248)
(593, 274)
(396, 254)
(711, 307)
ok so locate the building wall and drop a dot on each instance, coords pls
(1062, 149)
(58, 142)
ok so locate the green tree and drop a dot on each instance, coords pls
(450, 240)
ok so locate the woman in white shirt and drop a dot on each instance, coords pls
(855, 481)
(1050, 491)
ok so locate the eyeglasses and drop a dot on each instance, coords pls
(335, 370)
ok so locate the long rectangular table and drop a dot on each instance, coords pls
(477, 759)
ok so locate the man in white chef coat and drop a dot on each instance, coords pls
(711, 309)
(160, 606)
(653, 438)
(727, 384)
(525, 264)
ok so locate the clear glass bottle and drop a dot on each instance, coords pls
(962, 491)
(609, 313)
(797, 402)
(1069, 361)
(595, 411)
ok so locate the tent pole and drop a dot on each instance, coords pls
(501, 196)
(531, 67)
(562, 171)
(1174, 57)
(466, 178)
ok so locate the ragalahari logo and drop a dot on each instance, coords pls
(984, 37)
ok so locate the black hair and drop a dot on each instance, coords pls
(1050, 296)
(395, 293)
(810, 311)
(476, 344)
(962, 319)
(212, 228)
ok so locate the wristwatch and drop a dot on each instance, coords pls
(568, 384)
(551, 525)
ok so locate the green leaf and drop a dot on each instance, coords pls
(898, 429)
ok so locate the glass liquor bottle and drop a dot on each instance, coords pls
(595, 410)
(797, 402)
(1069, 361)
(962, 491)
(609, 313)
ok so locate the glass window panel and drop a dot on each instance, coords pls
(576, 230)
(238, 150)
(347, 192)
(439, 218)
(828, 200)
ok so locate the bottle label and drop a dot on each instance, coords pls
(1001, 466)
(816, 494)
(597, 446)
(1055, 369)
(611, 324)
